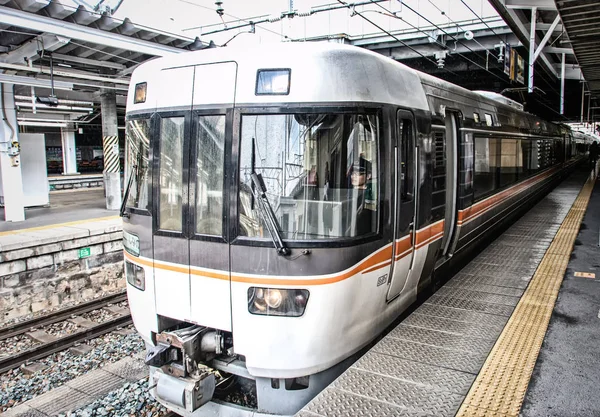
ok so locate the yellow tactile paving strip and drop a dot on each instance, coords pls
(500, 387)
(52, 226)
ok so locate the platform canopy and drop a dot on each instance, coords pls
(581, 20)
(85, 51)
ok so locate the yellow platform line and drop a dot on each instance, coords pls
(52, 226)
(500, 387)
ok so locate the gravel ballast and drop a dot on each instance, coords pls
(17, 387)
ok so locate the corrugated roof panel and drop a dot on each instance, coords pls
(57, 10)
(581, 20)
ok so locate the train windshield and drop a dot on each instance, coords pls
(320, 172)
(137, 146)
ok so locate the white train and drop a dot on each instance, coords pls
(286, 203)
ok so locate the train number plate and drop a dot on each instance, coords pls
(131, 243)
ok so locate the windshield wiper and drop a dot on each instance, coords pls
(123, 212)
(267, 214)
(259, 193)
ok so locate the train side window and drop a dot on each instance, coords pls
(406, 159)
(210, 144)
(511, 161)
(485, 166)
(137, 147)
(488, 119)
(530, 163)
(438, 194)
(170, 214)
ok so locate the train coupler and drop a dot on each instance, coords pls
(182, 352)
(188, 393)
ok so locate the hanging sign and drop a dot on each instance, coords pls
(520, 69)
(507, 59)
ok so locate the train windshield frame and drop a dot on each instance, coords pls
(138, 154)
(321, 169)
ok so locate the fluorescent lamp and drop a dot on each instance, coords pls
(32, 119)
(59, 107)
(42, 124)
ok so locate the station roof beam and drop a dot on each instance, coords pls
(86, 50)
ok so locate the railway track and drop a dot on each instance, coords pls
(61, 315)
(52, 345)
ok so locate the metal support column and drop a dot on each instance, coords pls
(532, 48)
(562, 85)
(582, 99)
(11, 181)
(589, 105)
(68, 150)
(112, 171)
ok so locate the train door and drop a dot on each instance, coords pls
(170, 195)
(451, 151)
(406, 180)
(191, 273)
(210, 289)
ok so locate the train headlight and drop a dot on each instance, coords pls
(277, 302)
(135, 275)
(140, 93)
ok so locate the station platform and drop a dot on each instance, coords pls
(65, 206)
(471, 349)
(61, 255)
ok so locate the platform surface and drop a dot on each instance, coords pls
(67, 206)
(566, 376)
(430, 362)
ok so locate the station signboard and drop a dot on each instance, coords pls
(517, 67)
(520, 69)
(507, 59)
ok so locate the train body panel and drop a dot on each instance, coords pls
(287, 203)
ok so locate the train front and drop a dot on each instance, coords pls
(256, 246)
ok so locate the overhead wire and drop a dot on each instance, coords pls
(394, 37)
(446, 33)
(391, 14)
(482, 21)
(239, 19)
(547, 82)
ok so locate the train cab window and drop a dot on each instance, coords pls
(486, 164)
(320, 172)
(171, 174)
(137, 146)
(210, 143)
(488, 120)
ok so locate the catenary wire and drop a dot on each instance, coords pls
(446, 33)
(396, 38)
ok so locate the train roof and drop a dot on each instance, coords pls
(320, 73)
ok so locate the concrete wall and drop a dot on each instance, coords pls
(44, 273)
(70, 182)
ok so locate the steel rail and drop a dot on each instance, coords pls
(60, 315)
(46, 349)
